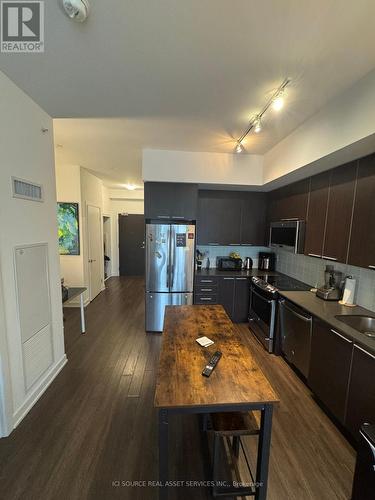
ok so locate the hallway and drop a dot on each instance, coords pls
(96, 427)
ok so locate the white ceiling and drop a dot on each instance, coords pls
(188, 75)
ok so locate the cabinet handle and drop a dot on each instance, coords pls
(329, 258)
(242, 279)
(163, 216)
(363, 350)
(228, 278)
(371, 267)
(206, 298)
(234, 244)
(206, 281)
(291, 218)
(206, 290)
(214, 243)
(247, 244)
(314, 255)
(177, 217)
(341, 336)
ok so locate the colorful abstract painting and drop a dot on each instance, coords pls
(68, 223)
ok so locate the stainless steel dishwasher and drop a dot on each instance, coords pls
(296, 331)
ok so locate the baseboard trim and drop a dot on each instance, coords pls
(38, 391)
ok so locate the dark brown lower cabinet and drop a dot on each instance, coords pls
(330, 361)
(241, 300)
(233, 293)
(226, 294)
(361, 395)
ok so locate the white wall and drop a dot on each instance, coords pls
(346, 120)
(26, 152)
(202, 168)
(68, 183)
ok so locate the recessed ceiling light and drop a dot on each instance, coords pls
(78, 10)
(131, 187)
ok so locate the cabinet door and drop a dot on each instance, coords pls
(339, 215)
(219, 218)
(316, 216)
(241, 300)
(226, 294)
(176, 201)
(361, 396)
(253, 221)
(330, 361)
(290, 202)
(362, 241)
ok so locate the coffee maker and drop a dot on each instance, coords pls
(333, 286)
(266, 261)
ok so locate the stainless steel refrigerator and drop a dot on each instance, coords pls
(170, 251)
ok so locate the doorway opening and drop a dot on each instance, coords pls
(132, 244)
(107, 246)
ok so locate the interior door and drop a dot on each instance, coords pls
(132, 245)
(95, 250)
(157, 257)
(182, 258)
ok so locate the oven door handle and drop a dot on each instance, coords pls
(261, 297)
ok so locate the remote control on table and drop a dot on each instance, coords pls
(212, 364)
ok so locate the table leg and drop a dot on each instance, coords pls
(163, 453)
(83, 325)
(264, 452)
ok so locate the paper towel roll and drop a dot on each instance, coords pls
(349, 291)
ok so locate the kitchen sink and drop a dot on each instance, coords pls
(364, 324)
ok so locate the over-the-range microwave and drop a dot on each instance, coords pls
(288, 235)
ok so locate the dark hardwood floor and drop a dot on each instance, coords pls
(93, 434)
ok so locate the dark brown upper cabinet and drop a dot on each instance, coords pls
(171, 200)
(289, 202)
(339, 214)
(316, 215)
(231, 218)
(219, 218)
(362, 240)
(253, 223)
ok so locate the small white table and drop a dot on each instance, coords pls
(74, 292)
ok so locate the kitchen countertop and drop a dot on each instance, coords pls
(242, 273)
(326, 311)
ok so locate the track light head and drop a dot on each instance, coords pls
(239, 148)
(278, 102)
(257, 125)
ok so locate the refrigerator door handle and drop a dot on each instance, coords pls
(172, 256)
(167, 284)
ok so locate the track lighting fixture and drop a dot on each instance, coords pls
(257, 125)
(239, 148)
(276, 101)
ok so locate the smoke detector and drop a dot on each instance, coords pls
(78, 10)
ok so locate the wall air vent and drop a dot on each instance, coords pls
(27, 190)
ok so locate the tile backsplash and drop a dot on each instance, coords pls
(311, 271)
(223, 251)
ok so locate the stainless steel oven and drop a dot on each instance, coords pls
(262, 314)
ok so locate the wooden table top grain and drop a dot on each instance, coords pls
(236, 380)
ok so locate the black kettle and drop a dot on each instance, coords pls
(248, 263)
